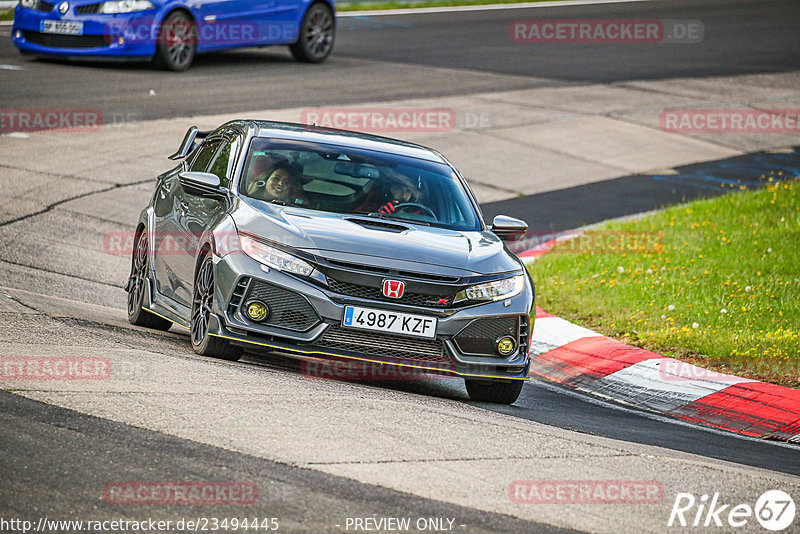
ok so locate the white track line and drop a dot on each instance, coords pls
(650, 385)
(558, 332)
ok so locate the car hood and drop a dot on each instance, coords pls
(336, 236)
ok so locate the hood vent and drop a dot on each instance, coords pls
(379, 225)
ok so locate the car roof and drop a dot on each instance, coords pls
(305, 132)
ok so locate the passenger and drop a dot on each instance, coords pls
(282, 184)
(262, 166)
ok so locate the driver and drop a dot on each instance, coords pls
(400, 191)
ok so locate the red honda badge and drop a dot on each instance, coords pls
(393, 289)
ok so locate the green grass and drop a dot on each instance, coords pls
(8, 14)
(371, 6)
(714, 282)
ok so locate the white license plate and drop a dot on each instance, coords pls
(61, 26)
(389, 322)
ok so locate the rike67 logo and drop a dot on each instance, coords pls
(774, 510)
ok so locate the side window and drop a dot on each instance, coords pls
(220, 165)
(204, 155)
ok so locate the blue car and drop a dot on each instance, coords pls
(172, 32)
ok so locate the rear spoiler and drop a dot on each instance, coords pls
(188, 144)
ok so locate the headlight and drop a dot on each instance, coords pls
(30, 4)
(272, 257)
(497, 290)
(126, 6)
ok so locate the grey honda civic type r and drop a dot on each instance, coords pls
(336, 246)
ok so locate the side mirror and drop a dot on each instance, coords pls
(508, 228)
(202, 184)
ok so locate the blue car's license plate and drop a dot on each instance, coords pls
(389, 322)
(62, 27)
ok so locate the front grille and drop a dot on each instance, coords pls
(89, 9)
(288, 309)
(480, 336)
(384, 345)
(374, 293)
(44, 6)
(54, 40)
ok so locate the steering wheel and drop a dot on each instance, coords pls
(425, 209)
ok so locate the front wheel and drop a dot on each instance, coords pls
(498, 392)
(137, 288)
(203, 342)
(317, 32)
(177, 42)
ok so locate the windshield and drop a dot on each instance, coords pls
(354, 181)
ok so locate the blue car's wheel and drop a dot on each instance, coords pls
(317, 32)
(202, 341)
(136, 287)
(177, 42)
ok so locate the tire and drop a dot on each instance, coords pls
(498, 392)
(136, 288)
(204, 343)
(176, 44)
(317, 33)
